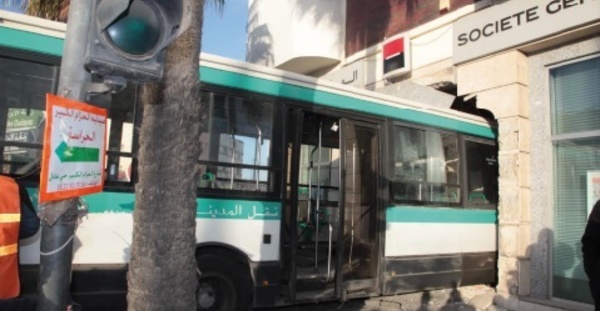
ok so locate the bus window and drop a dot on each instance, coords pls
(236, 144)
(426, 166)
(328, 181)
(23, 88)
(482, 172)
(120, 140)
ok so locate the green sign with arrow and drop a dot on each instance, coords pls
(76, 154)
(74, 149)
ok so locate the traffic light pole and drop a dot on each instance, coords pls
(56, 249)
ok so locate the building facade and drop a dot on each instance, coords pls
(532, 66)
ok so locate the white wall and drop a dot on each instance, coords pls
(298, 35)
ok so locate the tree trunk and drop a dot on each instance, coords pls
(162, 270)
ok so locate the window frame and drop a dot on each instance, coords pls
(426, 129)
(556, 139)
(274, 169)
(464, 171)
(54, 62)
(117, 185)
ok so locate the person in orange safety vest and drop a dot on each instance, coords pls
(10, 218)
(18, 220)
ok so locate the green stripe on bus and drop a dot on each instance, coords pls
(110, 202)
(122, 202)
(410, 214)
(294, 92)
(24, 40)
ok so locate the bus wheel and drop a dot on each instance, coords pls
(223, 284)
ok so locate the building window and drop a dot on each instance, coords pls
(575, 95)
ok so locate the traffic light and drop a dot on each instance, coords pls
(127, 38)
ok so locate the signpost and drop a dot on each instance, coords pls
(102, 36)
(74, 149)
(59, 217)
(72, 165)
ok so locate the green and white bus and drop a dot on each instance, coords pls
(310, 190)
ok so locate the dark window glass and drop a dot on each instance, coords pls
(426, 166)
(120, 141)
(482, 173)
(23, 88)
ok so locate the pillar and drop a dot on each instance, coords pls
(500, 83)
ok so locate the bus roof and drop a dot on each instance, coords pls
(22, 32)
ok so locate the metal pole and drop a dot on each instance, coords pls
(318, 209)
(56, 253)
(56, 249)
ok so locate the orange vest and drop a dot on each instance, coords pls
(10, 216)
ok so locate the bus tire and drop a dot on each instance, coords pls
(224, 284)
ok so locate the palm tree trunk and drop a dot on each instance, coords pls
(162, 270)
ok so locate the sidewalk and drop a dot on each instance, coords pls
(468, 298)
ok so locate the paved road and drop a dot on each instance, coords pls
(471, 298)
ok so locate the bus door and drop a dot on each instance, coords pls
(329, 236)
(359, 256)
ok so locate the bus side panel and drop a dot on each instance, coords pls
(249, 226)
(102, 245)
(409, 274)
(104, 235)
(434, 247)
(258, 239)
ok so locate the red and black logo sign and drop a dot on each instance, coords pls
(393, 55)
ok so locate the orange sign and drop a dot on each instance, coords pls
(74, 149)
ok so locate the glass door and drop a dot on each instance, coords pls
(330, 243)
(312, 211)
(359, 261)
